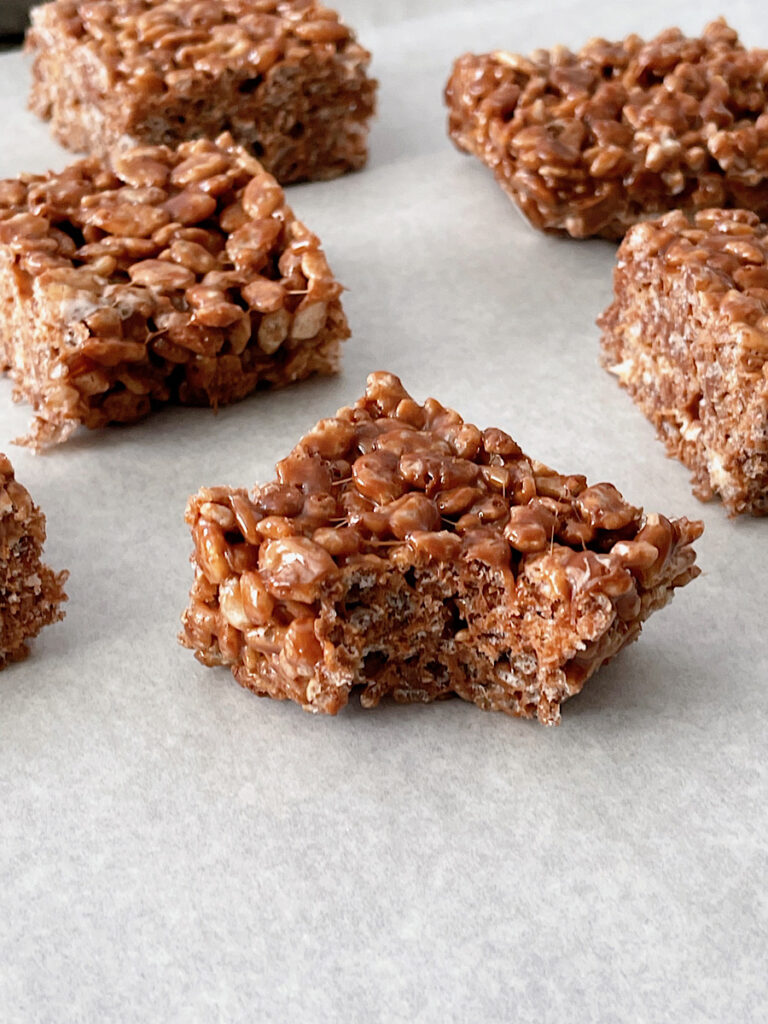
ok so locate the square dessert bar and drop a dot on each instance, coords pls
(405, 553)
(588, 143)
(285, 77)
(30, 593)
(687, 336)
(153, 276)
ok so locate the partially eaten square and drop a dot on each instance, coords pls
(405, 553)
(687, 336)
(153, 276)
(31, 594)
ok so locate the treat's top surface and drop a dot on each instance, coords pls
(199, 237)
(634, 112)
(159, 39)
(726, 252)
(390, 479)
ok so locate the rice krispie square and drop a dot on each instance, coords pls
(285, 77)
(157, 275)
(404, 553)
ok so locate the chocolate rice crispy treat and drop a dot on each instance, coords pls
(285, 77)
(30, 593)
(157, 276)
(589, 143)
(687, 336)
(407, 553)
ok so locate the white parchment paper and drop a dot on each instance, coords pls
(174, 849)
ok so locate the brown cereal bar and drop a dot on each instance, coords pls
(285, 77)
(157, 276)
(30, 593)
(406, 553)
(687, 336)
(590, 143)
